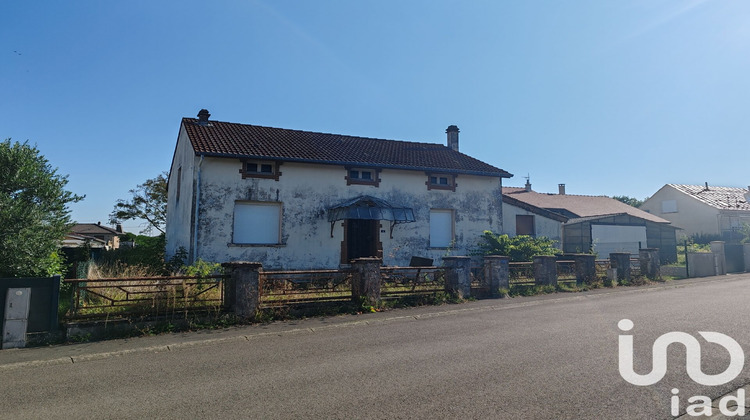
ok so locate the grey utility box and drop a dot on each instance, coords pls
(16, 322)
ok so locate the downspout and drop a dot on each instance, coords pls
(197, 210)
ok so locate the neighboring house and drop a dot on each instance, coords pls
(300, 200)
(99, 236)
(521, 218)
(597, 223)
(702, 209)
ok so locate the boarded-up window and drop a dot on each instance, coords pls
(525, 225)
(669, 206)
(441, 228)
(256, 223)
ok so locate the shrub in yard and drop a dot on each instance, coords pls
(518, 248)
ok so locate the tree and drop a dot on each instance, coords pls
(148, 202)
(631, 201)
(34, 214)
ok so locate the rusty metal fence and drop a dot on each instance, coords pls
(280, 288)
(396, 281)
(521, 273)
(93, 298)
(566, 271)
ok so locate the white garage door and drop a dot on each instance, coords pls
(607, 239)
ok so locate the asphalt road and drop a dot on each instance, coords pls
(549, 357)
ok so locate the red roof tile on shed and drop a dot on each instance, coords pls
(225, 139)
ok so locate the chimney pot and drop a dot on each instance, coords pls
(561, 189)
(452, 132)
(203, 115)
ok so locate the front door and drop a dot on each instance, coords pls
(361, 239)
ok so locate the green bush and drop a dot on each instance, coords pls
(518, 248)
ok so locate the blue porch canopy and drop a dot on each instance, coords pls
(366, 207)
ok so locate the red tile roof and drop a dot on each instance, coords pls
(225, 139)
(93, 229)
(579, 205)
(723, 198)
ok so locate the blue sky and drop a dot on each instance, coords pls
(608, 97)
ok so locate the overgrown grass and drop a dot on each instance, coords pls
(156, 297)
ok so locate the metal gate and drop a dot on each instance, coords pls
(735, 258)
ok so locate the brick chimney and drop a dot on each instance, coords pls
(203, 117)
(561, 189)
(452, 132)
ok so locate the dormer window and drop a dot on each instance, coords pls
(441, 182)
(260, 169)
(362, 176)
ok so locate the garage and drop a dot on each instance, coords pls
(619, 233)
(609, 238)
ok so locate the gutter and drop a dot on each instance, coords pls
(197, 211)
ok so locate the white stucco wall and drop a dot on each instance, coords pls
(306, 191)
(693, 216)
(180, 213)
(542, 225)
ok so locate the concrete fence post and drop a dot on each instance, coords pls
(746, 255)
(545, 270)
(242, 291)
(717, 248)
(458, 276)
(621, 261)
(585, 268)
(650, 265)
(496, 273)
(366, 280)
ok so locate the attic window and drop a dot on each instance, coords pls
(260, 169)
(441, 182)
(362, 176)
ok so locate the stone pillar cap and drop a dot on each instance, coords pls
(249, 264)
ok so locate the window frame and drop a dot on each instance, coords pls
(450, 181)
(451, 243)
(669, 206)
(275, 172)
(278, 204)
(533, 224)
(375, 181)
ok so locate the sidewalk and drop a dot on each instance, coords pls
(81, 352)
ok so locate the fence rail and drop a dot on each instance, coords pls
(145, 295)
(521, 273)
(411, 280)
(279, 288)
(566, 271)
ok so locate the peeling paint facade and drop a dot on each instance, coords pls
(205, 193)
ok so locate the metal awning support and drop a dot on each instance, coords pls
(366, 207)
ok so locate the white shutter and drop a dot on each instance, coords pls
(441, 228)
(257, 223)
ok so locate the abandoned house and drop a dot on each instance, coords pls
(301, 200)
